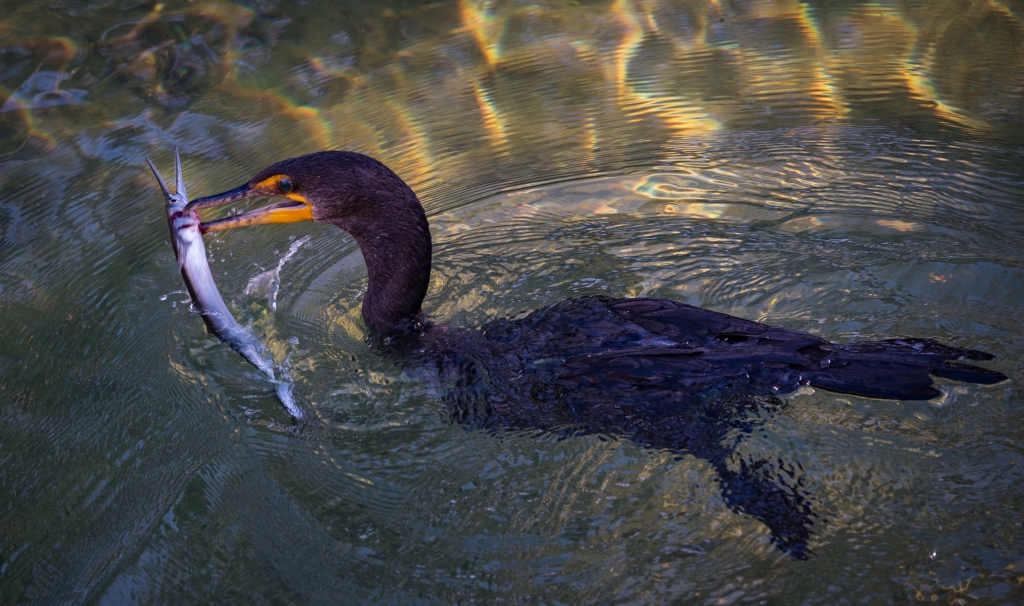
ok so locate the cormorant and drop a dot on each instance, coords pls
(668, 375)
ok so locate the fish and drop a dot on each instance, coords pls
(187, 241)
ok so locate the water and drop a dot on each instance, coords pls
(850, 169)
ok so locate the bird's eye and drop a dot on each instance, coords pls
(285, 184)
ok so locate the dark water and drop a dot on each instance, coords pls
(851, 169)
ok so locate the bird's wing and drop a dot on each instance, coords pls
(689, 325)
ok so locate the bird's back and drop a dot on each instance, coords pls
(632, 344)
(675, 377)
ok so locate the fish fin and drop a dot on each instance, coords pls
(160, 179)
(179, 176)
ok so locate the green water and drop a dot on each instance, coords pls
(852, 169)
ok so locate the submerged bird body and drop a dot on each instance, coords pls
(668, 375)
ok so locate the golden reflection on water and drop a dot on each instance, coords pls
(595, 76)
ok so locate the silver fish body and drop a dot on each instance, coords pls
(187, 240)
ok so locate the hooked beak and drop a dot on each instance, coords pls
(293, 208)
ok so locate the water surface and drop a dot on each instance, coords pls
(848, 168)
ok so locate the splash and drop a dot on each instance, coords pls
(269, 282)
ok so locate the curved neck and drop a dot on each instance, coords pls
(394, 238)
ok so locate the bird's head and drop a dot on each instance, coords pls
(364, 198)
(344, 188)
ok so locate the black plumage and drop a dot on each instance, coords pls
(668, 375)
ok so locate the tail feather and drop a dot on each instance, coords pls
(896, 386)
(930, 347)
(968, 373)
(896, 369)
